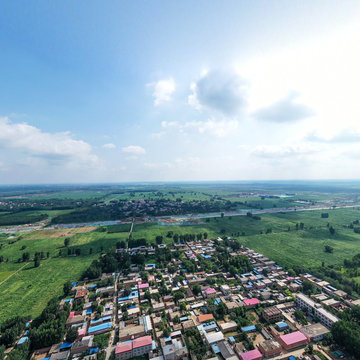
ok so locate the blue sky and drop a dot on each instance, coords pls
(178, 90)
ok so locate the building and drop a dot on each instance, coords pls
(272, 314)
(100, 329)
(293, 340)
(206, 317)
(228, 326)
(175, 349)
(132, 348)
(316, 310)
(251, 355)
(82, 345)
(270, 348)
(249, 303)
(315, 332)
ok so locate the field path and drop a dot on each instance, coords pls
(15, 272)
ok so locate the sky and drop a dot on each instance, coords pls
(119, 91)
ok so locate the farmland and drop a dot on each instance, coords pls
(291, 239)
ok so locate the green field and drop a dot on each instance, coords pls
(27, 291)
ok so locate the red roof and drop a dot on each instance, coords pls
(293, 338)
(124, 347)
(251, 302)
(142, 341)
(251, 355)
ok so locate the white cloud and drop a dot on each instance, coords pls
(222, 91)
(134, 150)
(109, 146)
(51, 146)
(284, 110)
(286, 151)
(349, 135)
(163, 90)
(221, 128)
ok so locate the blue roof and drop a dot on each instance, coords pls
(22, 340)
(92, 286)
(123, 298)
(248, 328)
(106, 326)
(105, 318)
(232, 339)
(89, 311)
(74, 283)
(94, 350)
(215, 348)
(66, 345)
(292, 357)
(282, 325)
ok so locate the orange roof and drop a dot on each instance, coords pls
(81, 293)
(206, 317)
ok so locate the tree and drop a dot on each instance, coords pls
(67, 288)
(331, 230)
(71, 335)
(196, 289)
(329, 249)
(159, 239)
(37, 261)
(67, 242)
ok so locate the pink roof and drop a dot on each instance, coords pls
(143, 286)
(82, 331)
(293, 337)
(290, 278)
(251, 302)
(251, 355)
(210, 291)
(124, 347)
(71, 315)
(142, 341)
(151, 278)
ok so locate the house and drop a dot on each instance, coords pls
(315, 332)
(133, 348)
(82, 345)
(250, 303)
(206, 317)
(64, 355)
(175, 349)
(271, 314)
(251, 355)
(100, 329)
(213, 337)
(293, 340)
(270, 348)
(228, 326)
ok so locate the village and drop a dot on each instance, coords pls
(171, 313)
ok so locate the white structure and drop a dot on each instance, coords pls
(316, 310)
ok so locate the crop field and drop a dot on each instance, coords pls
(25, 289)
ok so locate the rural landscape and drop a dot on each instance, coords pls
(57, 235)
(179, 180)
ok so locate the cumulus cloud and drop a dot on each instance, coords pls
(224, 92)
(211, 127)
(284, 110)
(109, 146)
(33, 141)
(163, 90)
(134, 150)
(344, 136)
